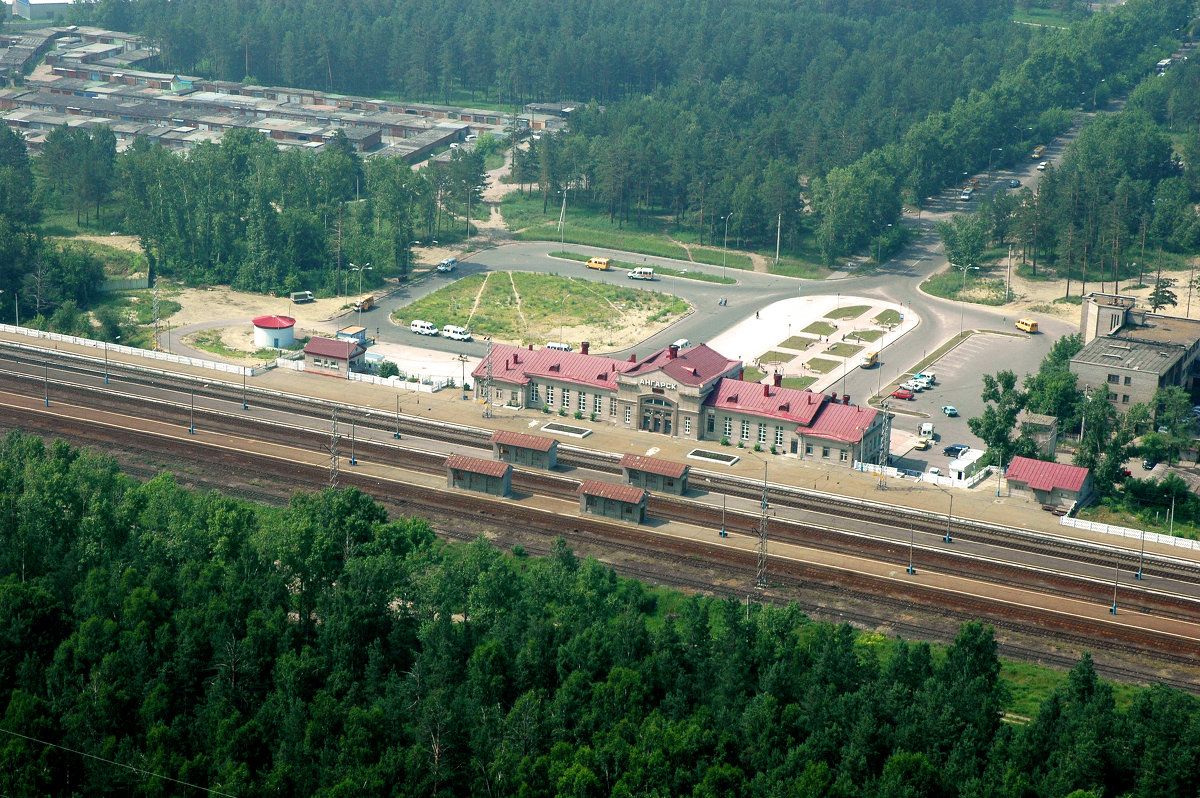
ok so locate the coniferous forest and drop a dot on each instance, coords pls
(149, 633)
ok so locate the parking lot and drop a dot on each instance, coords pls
(959, 384)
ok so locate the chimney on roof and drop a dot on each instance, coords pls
(632, 358)
(531, 347)
(741, 373)
(833, 397)
(583, 346)
(672, 351)
(845, 398)
(778, 379)
(766, 389)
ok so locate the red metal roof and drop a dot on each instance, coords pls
(607, 490)
(845, 423)
(274, 322)
(515, 365)
(1041, 475)
(787, 404)
(694, 366)
(477, 465)
(523, 441)
(654, 465)
(331, 347)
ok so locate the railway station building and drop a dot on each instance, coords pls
(694, 393)
(623, 502)
(652, 473)
(477, 474)
(537, 451)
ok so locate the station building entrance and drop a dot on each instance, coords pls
(658, 415)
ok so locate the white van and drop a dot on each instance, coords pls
(926, 430)
(641, 273)
(422, 328)
(456, 333)
(560, 347)
(682, 343)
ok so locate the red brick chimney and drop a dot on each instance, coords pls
(531, 347)
(766, 389)
(583, 346)
(672, 351)
(845, 398)
(632, 358)
(778, 380)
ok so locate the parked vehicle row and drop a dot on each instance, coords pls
(451, 331)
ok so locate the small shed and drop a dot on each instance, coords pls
(477, 474)
(333, 357)
(1049, 484)
(966, 464)
(623, 502)
(354, 333)
(530, 450)
(1042, 429)
(652, 473)
(277, 332)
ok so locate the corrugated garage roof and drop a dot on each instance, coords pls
(477, 465)
(654, 465)
(1042, 475)
(607, 490)
(523, 441)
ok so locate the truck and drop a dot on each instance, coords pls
(302, 296)
(365, 302)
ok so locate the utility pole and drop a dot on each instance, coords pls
(778, 232)
(156, 328)
(760, 581)
(487, 383)
(333, 453)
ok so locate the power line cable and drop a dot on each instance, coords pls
(118, 764)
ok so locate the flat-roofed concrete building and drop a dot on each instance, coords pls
(1130, 353)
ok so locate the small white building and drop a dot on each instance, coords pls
(277, 332)
(965, 465)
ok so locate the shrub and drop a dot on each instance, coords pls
(757, 448)
(546, 409)
(578, 414)
(773, 449)
(741, 444)
(592, 417)
(562, 411)
(724, 441)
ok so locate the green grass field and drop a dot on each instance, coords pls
(889, 316)
(867, 336)
(751, 374)
(542, 307)
(776, 357)
(821, 365)
(843, 349)
(847, 312)
(820, 328)
(799, 383)
(797, 342)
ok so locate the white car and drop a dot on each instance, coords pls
(914, 386)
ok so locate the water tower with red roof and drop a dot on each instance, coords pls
(277, 332)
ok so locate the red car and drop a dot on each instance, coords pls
(902, 394)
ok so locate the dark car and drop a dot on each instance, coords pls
(954, 450)
(1149, 464)
(1014, 183)
(902, 394)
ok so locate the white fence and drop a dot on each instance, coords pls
(399, 382)
(165, 357)
(1134, 534)
(940, 480)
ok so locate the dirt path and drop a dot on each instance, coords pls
(478, 296)
(517, 294)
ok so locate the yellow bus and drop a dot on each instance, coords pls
(599, 263)
(1038, 152)
(1027, 325)
(870, 360)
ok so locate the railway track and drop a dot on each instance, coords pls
(664, 563)
(668, 508)
(318, 412)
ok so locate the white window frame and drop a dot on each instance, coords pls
(762, 433)
(628, 414)
(745, 429)
(566, 398)
(728, 427)
(687, 426)
(779, 436)
(550, 395)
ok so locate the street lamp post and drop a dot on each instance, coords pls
(360, 270)
(561, 302)
(994, 149)
(244, 406)
(725, 247)
(562, 220)
(949, 516)
(106, 360)
(192, 414)
(962, 298)
(463, 385)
